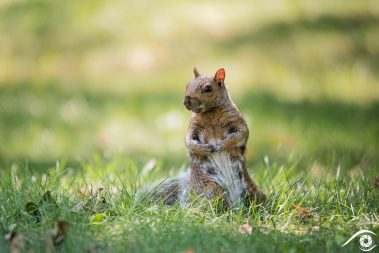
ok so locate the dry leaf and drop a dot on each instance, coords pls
(375, 182)
(56, 236)
(61, 232)
(87, 202)
(189, 250)
(245, 229)
(46, 204)
(33, 209)
(90, 192)
(16, 242)
(304, 213)
(83, 191)
(315, 228)
(98, 218)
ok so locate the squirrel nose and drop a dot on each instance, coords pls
(187, 101)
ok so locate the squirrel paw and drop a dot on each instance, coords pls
(216, 148)
(211, 148)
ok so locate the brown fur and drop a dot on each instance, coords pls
(215, 117)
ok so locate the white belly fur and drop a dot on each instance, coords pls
(226, 174)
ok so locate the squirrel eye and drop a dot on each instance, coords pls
(208, 88)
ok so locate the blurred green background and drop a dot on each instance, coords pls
(85, 78)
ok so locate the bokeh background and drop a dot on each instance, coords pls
(106, 78)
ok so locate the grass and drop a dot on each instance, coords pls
(91, 95)
(343, 205)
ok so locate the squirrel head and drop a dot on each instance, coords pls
(205, 93)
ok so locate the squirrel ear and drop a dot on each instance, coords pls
(196, 72)
(220, 75)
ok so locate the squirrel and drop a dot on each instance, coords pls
(216, 140)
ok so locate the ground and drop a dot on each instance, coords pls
(91, 97)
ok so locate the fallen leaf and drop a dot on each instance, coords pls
(56, 236)
(96, 193)
(83, 191)
(315, 228)
(87, 203)
(16, 242)
(98, 218)
(245, 229)
(47, 204)
(61, 232)
(304, 213)
(375, 182)
(33, 210)
(189, 250)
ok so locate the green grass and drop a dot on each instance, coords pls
(344, 205)
(98, 86)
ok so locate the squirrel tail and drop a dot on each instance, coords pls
(169, 191)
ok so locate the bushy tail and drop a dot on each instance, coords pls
(169, 191)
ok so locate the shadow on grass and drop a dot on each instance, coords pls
(329, 131)
(184, 236)
(353, 27)
(325, 130)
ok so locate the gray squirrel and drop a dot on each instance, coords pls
(216, 140)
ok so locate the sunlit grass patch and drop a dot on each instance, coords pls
(342, 204)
